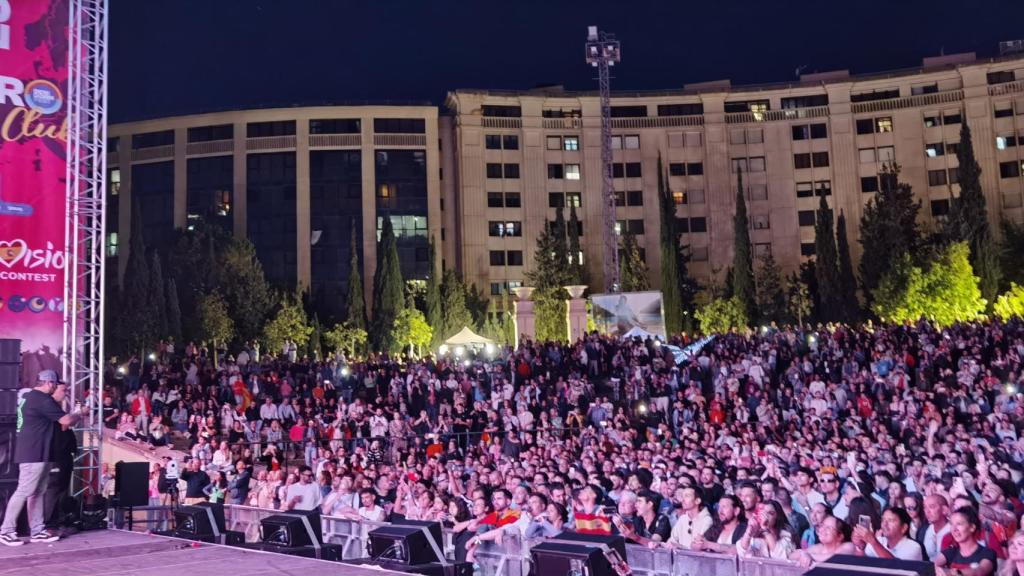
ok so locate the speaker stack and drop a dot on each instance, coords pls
(10, 382)
(583, 553)
(412, 546)
(296, 533)
(203, 523)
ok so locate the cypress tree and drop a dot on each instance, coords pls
(742, 262)
(173, 311)
(548, 276)
(355, 306)
(454, 313)
(433, 296)
(578, 273)
(632, 269)
(388, 292)
(968, 218)
(847, 281)
(157, 298)
(826, 268)
(671, 257)
(771, 297)
(135, 323)
(888, 228)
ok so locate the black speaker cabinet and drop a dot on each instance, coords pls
(131, 484)
(288, 529)
(332, 552)
(204, 522)
(557, 556)
(431, 569)
(8, 434)
(407, 542)
(10, 351)
(10, 375)
(880, 565)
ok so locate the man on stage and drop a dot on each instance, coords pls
(37, 413)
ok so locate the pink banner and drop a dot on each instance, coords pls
(33, 177)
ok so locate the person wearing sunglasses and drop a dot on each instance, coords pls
(305, 494)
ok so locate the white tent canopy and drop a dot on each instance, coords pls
(638, 332)
(467, 337)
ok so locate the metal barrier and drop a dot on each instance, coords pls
(647, 562)
(769, 567)
(692, 563)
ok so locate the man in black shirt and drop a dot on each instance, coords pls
(62, 452)
(37, 414)
(196, 479)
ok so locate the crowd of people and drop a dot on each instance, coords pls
(793, 444)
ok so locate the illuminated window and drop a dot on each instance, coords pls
(112, 244)
(758, 111)
(883, 124)
(933, 150)
(571, 143)
(385, 191)
(572, 171)
(114, 183)
(679, 197)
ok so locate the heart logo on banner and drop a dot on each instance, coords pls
(11, 251)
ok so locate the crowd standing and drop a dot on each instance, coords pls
(793, 444)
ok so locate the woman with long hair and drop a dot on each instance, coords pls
(966, 557)
(833, 534)
(1014, 563)
(767, 534)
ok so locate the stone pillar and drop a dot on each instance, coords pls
(576, 315)
(525, 323)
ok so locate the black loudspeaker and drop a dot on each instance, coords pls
(407, 542)
(289, 529)
(8, 434)
(94, 513)
(10, 371)
(204, 523)
(432, 569)
(589, 550)
(10, 374)
(332, 552)
(868, 564)
(131, 484)
(10, 351)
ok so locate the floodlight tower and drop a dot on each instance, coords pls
(603, 53)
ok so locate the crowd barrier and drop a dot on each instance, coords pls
(512, 556)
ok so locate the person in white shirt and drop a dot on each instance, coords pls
(269, 411)
(891, 541)
(695, 519)
(285, 411)
(936, 511)
(305, 495)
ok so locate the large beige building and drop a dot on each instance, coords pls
(519, 155)
(483, 178)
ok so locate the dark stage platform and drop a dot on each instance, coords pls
(116, 552)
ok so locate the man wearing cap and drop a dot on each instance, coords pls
(37, 413)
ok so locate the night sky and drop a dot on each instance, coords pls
(188, 56)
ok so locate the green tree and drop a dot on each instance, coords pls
(355, 305)
(135, 321)
(677, 288)
(771, 297)
(454, 314)
(476, 304)
(315, 340)
(722, 315)
(433, 297)
(411, 330)
(847, 282)
(215, 324)
(633, 273)
(289, 323)
(888, 228)
(968, 218)
(343, 337)
(173, 311)
(244, 286)
(388, 290)
(157, 297)
(945, 290)
(742, 261)
(799, 298)
(1010, 304)
(1012, 250)
(548, 276)
(826, 269)
(574, 249)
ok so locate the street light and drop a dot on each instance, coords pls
(152, 356)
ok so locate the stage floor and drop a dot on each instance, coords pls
(116, 552)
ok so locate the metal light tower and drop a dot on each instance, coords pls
(602, 53)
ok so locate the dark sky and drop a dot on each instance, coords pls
(186, 56)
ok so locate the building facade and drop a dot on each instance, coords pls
(298, 182)
(520, 155)
(483, 178)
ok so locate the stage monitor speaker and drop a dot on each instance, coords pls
(204, 519)
(10, 351)
(431, 569)
(131, 484)
(880, 565)
(594, 554)
(332, 552)
(292, 528)
(408, 542)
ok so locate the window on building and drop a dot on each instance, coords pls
(554, 142)
(113, 245)
(823, 188)
(401, 125)
(505, 228)
(698, 225)
(886, 154)
(511, 171)
(1004, 112)
(805, 101)
(492, 141)
(695, 196)
(739, 136)
(678, 197)
(620, 198)
(514, 257)
(572, 171)
(801, 132)
(805, 218)
(677, 169)
(819, 131)
(801, 161)
(153, 139)
(493, 170)
(875, 95)
(924, 89)
(694, 168)
(760, 106)
(556, 172)
(572, 143)
(1000, 77)
(683, 225)
(510, 142)
(573, 200)
(755, 136)
(633, 170)
(1009, 169)
(940, 207)
(114, 182)
(631, 142)
(952, 148)
(954, 175)
(866, 126)
(883, 124)
(512, 200)
(867, 155)
(869, 184)
(951, 118)
(739, 165)
(819, 159)
(497, 257)
(760, 222)
(1004, 142)
(562, 113)
(629, 111)
(936, 177)
(497, 111)
(804, 190)
(756, 164)
(634, 198)
(934, 150)
(932, 121)
(680, 109)
(211, 133)
(335, 126)
(495, 200)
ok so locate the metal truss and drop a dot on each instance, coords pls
(85, 232)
